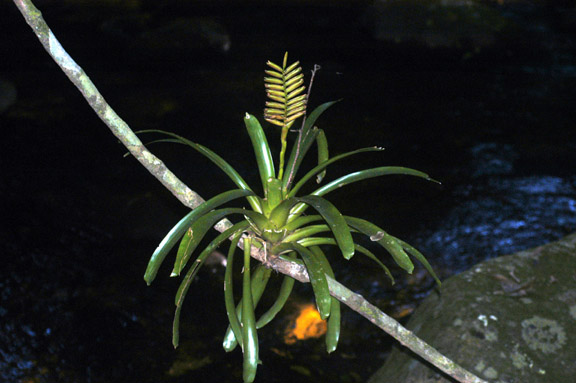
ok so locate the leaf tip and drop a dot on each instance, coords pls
(148, 279)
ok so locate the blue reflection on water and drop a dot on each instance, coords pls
(500, 213)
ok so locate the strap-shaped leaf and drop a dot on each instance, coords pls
(316, 272)
(362, 175)
(420, 257)
(191, 274)
(306, 137)
(261, 149)
(279, 215)
(217, 160)
(317, 241)
(273, 194)
(390, 243)
(373, 257)
(370, 173)
(323, 155)
(305, 232)
(299, 150)
(229, 290)
(318, 169)
(298, 222)
(212, 246)
(317, 112)
(259, 282)
(196, 233)
(283, 295)
(249, 332)
(333, 325)
(180, 228)
(335, 221)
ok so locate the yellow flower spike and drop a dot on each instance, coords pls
(285, 87)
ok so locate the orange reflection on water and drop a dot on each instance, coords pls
(307, 324)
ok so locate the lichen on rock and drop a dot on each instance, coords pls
(543, 334)
(573, 311)
(509, 319)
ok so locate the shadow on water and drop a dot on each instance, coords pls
(80, 221)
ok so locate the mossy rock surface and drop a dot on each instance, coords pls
(510, 319)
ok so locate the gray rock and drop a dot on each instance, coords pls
(510, 319)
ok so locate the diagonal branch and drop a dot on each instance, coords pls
(191, 199)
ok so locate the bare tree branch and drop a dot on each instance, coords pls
(191, 199)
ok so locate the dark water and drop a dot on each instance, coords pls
(79, 221)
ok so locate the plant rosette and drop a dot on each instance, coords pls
(276, 220)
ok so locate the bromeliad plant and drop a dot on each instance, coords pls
(276, 222)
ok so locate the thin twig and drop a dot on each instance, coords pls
(300, 138)
(191, 199)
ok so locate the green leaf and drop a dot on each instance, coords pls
(217, 160)
(335, 221)
(370, 173)
(180, 228)
(373, 257)
(305, 232)
(180, 295)
(273, 194)
(420, 257)
(305, 139)
(323, 155)
(299, 150)
(261, 149)
(390, 243)
(312, 117)
(249, 331)
(279, 215)
(316, 241)
(362, 175)
(187, 280)
(229, 290)
(301, 221)
(199, 229)
(317, 275)
(316, 170)
(283, 295)
(333, 325)
(260, 279)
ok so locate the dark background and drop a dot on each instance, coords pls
(480, 98)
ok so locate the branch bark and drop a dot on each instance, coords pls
(191, 199)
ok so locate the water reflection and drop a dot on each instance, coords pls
(501, 213)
